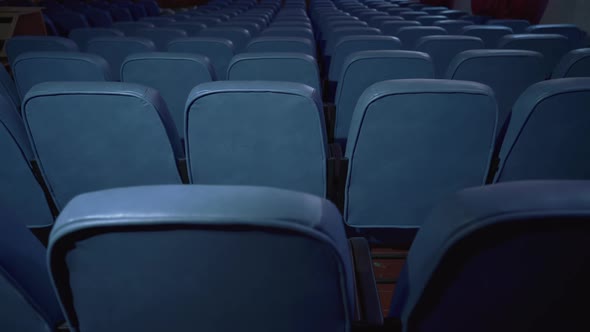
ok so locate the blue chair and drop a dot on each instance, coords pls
(489, 67)
(410, 144)
(574, 34)
(264, 125)
(281, 44)
(392, 28)
(430, 19)
(453, 27)
(252, 27)
(574, 64)
(98, 18)
(518, 26)
(161, 37)
(130, 28)
(453, 14)
(33, 68)
(192, 29)
(334, 37)
(173, 75)
(412, 15)
(16, 46)
(546, 133)
(208, 21)
(482, 254)
(218, 50)
(490, 34)
(434, 10)
(121, 14)
(397, 11)
(8, 90)
(287, 67)
(158, 21)
(83, 35)
(552, 46)
(280, 237)
(378, 21)
(115, 49)
(410, 36)
(288, 32)
(360, 70)
(88, 136)
(442, 49)
(238, 36)
(152, 8)
(23, 199)
(28, 301)
(65, 21)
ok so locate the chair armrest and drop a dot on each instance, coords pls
(368, 306)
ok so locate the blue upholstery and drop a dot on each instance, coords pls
(552, 46)
(481, 261)
(152, 8)
(252, 27)
(575, 35)
(192, 28)
(238, 36)
(442, 49)
(362, 69)
(453, 27)
(378, 21)
(274, 133)
(158, 21)
(282, 44)
(546, 133)
(412, 15)
(90, 136)
(8, 90)
(16, 46)
(490, 34)
(518, 26)
(289, 250)
(410, 36)
(288, 32)
(27, 299)
(65, 21)
(574, 64)
(161, 37)
(173, 75)
(453, 14)
(130, 28)
(121, 14)
(23, 200)
(98, 18)
(218, 50)
(411, 143)
(32, 68)
(430, 19)
(392, 28)
(434, 10)
(337, 34)
(83, 35)
(115, 49)
(490, 67)
(286, 67)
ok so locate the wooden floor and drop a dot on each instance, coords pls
(386, 269)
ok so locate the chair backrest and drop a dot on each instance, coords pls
(360, 70)
(412, 15)
(282, 44)
(130, 28)
(574, 64)
(453, 14)
(16, 46)
(490, 34)
(489, 67)
(443, 49)
(238, 36)
(410, 36)
(208, 21)
(547, 132)
(430, 19)
(82, 35)
(65, 21)
(252, 27)
(337, 34)
(192, 28)
(28, 300)
(453, 27)
(218, 50)
(488, 246)
(33, 68)
(264, 125)
(158, 21)
(173, 75)
(518, 26)
(378, 21)
(8, 90)
(115, 49)
(286, 67)
(552, 46)
(89, 136)
(121, 14)
(161, 36)
(251, 227)
(23, 200)
(98, 18)
(288, 32)
(392, 28)
(413, 142)
(575, 35)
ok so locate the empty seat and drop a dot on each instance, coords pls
(120, 14)
(115, 49)
(264, 225)
(257, 133)
(574, 64)
(490, 67)
(89, 136)
(161, 36)
(208, 21)
(335, 35)
(378, 21)
(488, 246)
(518, 26)
(16, 46)
(238, 36)
(553, 47)
(453, 14)
(434, 10)
(8, 90)
(412, 15)
(392, 28)
(131, 28)
(410, 36)
(288, 32)
(65, 21)
(362, 69)
(173, 75)
(547, 132)
(453, 27)
(28, 299)
(443, 49)
(412, 143)
(36, 67)
(490, 34)
(158, 21)
(98, 18)
(192, 29)
(430, 19)
(282, 44)
(83, 35)
(218, 50)
(575, 35)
